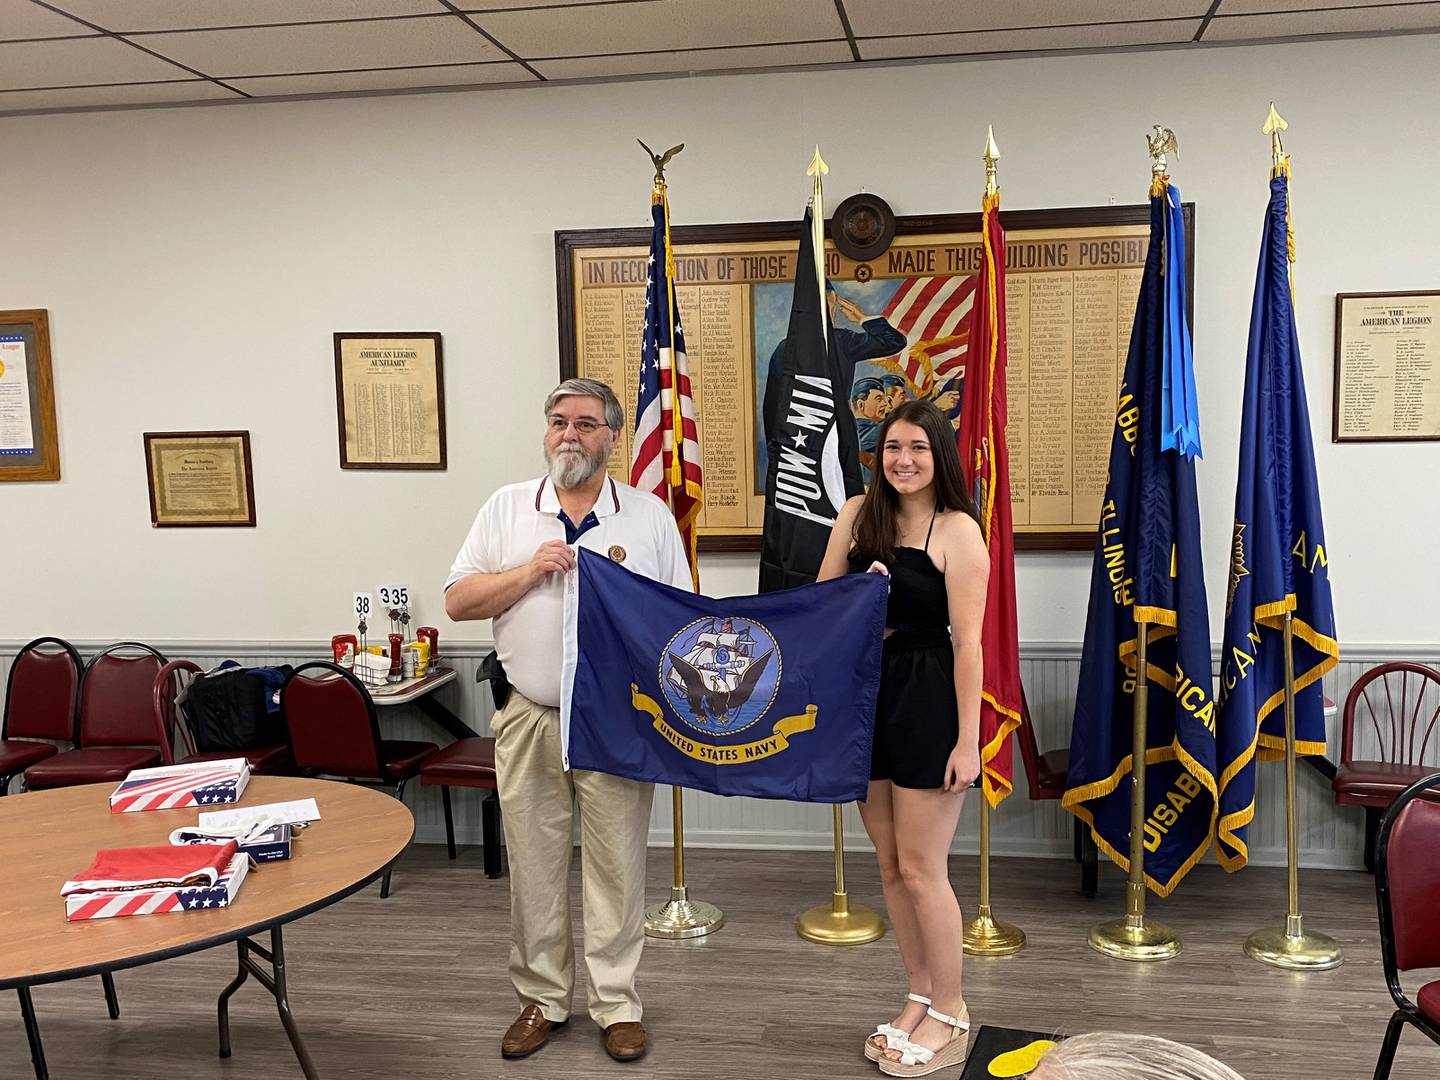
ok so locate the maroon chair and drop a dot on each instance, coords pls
(1048, 775)
(173, 679)
(1391, 701)
(40, 699)
(1407, 887)
(335, 732)
(115, 731)
(469, 763)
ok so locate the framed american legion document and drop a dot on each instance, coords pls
(901, 328)
(199, 478)
(390, 400)
(1387, 367)
(29, 438)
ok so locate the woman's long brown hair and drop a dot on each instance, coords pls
(875, 526)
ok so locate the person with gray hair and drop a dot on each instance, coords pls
(513, 569)
(1114, 1055)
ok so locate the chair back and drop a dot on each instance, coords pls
(42, 691)
(333, 725)
(170, 682)
(1395, 707)
(1407, 880)
(117, 697)
(1029, 749)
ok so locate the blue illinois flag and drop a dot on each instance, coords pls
(768, 696)
(1278, 556)
(1147, 570)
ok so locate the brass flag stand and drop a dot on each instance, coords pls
(984, 934)
(1290, 946)
(679, 917)
(837, 923)
(1132, 938)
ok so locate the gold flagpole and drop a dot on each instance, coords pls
(1290, 946)
(1132, 938)
(984, 934)
(836, 923)
(679, 917)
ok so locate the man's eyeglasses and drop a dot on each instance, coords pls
(584, 425)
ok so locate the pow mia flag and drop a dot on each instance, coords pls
(814, 463)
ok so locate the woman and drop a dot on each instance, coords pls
(917, 525)
(1112, 1055)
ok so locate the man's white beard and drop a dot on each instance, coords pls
(570, 465)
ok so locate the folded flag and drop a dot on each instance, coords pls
(196, 783)
(205, 889)
(116, 869)
(768, 696)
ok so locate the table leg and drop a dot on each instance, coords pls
(445, 718)
(273, 981)
(32, 1033)
(112, 1001)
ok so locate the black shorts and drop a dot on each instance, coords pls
(917, 721)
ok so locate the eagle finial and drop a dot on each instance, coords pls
(661, 160)
(1161, 143)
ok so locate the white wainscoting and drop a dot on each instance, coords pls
(1330, 836)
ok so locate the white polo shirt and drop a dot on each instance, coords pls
(629, 525)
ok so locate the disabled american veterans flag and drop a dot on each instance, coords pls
(983, 454)
(1148, 569)
(768, 696)
(814, 452)
(666, 459)
(1278, 557)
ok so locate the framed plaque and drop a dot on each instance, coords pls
(902, 321)
(29, 438)
(1387, 367)
(199, 478)
(390, 400)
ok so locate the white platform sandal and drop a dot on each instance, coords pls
(917, 1060)
(888, 1036)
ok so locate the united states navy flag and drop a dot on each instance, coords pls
(1148, 570)
(1278, 558)
(767, 696)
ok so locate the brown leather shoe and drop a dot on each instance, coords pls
(528, 1033)
(625, 1041)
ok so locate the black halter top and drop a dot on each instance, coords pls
(917, 588)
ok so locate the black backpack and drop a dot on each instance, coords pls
(230, 710)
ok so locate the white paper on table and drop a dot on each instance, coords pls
(282, 813)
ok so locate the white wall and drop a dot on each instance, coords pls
(195, 263)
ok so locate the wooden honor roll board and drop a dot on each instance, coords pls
(1072, 280)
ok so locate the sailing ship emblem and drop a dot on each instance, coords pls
(720, 674)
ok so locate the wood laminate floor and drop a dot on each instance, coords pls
(415, 986)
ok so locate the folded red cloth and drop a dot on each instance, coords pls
(120, 869)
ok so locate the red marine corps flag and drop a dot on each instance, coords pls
(981, 436)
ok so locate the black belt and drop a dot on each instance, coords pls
(907, 640)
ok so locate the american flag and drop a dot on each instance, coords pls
(157, 789)
(934, 315)
(116, 903)
(666, 461)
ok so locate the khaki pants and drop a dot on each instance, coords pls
(538, 799)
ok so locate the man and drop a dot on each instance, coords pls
(1113, 1055)
(876, 339)
(896, 390)
(513, 569)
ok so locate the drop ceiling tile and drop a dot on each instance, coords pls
(103, 96)
(1250, 7)
(709, 60)
(1110, 35)
(662, 24)
(510, 5)
(339, 82)
(20, 19)
(79, 62)
(128, 16)
(876, 18)
(277, 50)
(1360, 20)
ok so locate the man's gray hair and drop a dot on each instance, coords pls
(614, 414)
(1113, 1055)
